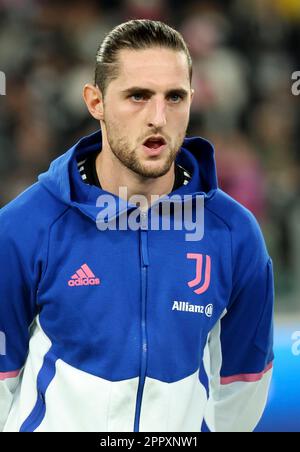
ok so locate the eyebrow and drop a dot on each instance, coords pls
(181, 91)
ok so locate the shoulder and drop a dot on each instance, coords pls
(30, 213)
(246, 234)
(232, 213)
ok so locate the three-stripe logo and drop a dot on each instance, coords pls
(84, 277)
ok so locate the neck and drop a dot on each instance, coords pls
(113, 174)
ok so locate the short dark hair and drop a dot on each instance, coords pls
(136, 34)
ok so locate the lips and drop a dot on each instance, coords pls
(154, 142)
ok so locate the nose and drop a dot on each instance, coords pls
(157, 113)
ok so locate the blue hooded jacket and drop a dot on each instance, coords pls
(131, 330)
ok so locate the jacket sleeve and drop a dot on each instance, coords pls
(17, 307)
(239, 355)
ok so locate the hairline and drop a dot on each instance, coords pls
(117, 63)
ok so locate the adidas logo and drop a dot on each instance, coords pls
(84, 277)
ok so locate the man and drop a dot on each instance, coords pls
(111, 328)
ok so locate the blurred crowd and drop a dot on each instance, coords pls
(244, 54)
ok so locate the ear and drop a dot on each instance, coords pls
(192, 94)
(94, 100)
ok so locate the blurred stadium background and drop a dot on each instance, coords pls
(244, 53)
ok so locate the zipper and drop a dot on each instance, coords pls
(144, 348)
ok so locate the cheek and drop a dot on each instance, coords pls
(124, 118)
(125, 109)
(120, 129)
(114, 122)
(180, 120)
(115, 110)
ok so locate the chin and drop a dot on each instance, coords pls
(154, 171)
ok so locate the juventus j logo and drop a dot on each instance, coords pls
(199, 267)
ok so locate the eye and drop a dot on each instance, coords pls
(138, 97)
(175, 98)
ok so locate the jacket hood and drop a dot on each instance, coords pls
(64, 182)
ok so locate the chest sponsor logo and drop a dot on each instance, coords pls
(184, 306)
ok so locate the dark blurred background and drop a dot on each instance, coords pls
(244, 54)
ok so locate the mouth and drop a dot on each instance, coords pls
(154, 145)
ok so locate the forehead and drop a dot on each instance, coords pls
(152, 68)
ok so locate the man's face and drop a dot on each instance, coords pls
(151, 98)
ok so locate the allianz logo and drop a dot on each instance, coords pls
(184, 306)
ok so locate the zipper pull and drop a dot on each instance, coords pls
(144, 220)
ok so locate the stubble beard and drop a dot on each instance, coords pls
(129, 157)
